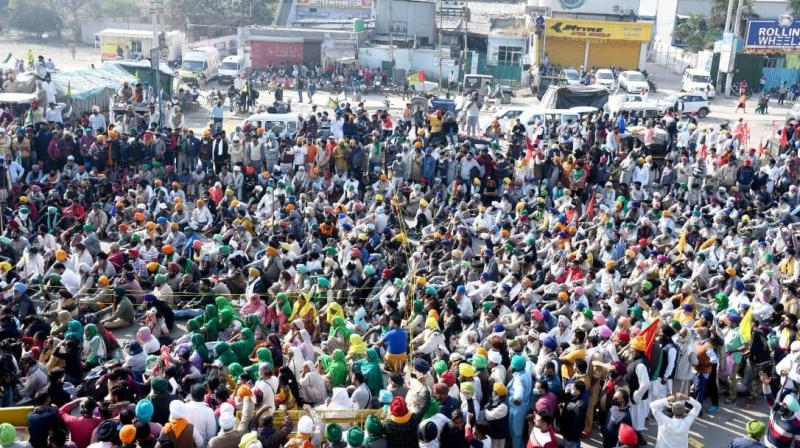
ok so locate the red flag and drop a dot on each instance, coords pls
(590, 207)
(421, 75)
(528, 148)
(784, 138)
(648, 337)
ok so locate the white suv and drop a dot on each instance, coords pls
(686, 103)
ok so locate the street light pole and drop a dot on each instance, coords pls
(155, 56)
(727, 30)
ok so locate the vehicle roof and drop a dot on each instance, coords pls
(478, 76)
(231, 58)
(697, 71)
(632, 71)
(604, 70)
(267, 116)
(17, 97)
(117, 32)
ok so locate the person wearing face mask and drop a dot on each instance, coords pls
(572, 414)
(618, 415)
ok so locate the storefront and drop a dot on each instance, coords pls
(595, 44)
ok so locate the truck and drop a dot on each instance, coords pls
(203, 61)
(118, 43)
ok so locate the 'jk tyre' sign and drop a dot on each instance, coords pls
(780, 34)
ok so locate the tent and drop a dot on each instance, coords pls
(142, 71)
(87, 88)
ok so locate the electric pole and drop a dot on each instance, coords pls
(155, 55)
(727, 30)
(736, 25)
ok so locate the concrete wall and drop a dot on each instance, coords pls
(412, 60)
(410, 18)
(90, 27)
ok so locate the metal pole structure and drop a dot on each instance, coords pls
(391, 40)
(441, 82)
(155, 7)
(465, 19)
(736, 25)
(727, 30)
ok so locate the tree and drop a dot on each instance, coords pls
(719, 12)
(694, 34)
(794, 7)
(215, 17)
(38, 21)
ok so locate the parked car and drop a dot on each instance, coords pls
(571, 77)
(697, 81)
(605, 77)
(686, 103)
(633, 81)
(504, 116)
(793, 113)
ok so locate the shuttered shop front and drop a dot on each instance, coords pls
(594, 43)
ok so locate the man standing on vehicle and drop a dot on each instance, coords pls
(518, 131)
(473, 112)
(216, 115)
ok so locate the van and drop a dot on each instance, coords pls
(553, 117)
(281, 124)
(231, 67)
(203, 60)
(697, 81)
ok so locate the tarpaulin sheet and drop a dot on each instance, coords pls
(565, 97)
(87, 83)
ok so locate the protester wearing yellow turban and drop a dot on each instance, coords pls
(358, 348)
(304, 309)
(334, 310)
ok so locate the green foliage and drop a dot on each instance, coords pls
(216, 17)
(794, 7)
(719, 11)
(695, 34)
(22, 16)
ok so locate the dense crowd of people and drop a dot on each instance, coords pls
(393, 284)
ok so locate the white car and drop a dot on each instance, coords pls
(605, 77)
(633, 82)
(686, 103)
(697, 81)
(571, 77)
(504, 116)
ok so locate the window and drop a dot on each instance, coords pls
(508, 55)
(136, 46)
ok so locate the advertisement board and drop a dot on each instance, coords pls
(782, 33)
(597, 30)
(338, 4)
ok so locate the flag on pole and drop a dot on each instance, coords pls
(416, 78)
(138, 78)
(647, 338)
(746, 326)
(590, 207)
(332, 102)
(69, 90)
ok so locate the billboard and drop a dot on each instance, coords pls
(782, 33)
(596, 30)
(337, 4)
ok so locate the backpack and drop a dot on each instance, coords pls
(8, 371)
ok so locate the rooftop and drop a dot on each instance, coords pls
(487, 18)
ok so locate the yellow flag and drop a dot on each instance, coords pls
(708, 243)
(332, 102)
(746, 326)
(682, 240)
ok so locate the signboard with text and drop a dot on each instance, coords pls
(782, 33)
(596, 30)
(338, 4)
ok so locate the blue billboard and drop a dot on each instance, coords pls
(782, 33)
